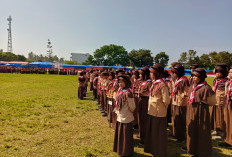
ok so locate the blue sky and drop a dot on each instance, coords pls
(82, 26)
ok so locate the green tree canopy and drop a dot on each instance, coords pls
(109, 55)
(162, 58)
(141, 57)
(9, 56)
(72, 62)
(90, 61)
(189, 58)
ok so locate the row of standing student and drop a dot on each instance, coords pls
(148, 97)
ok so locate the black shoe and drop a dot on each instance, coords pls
(184, 148)
(104, 115)
(141, 143)
(224, 144)
(138, 136)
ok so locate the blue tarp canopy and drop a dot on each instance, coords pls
(188, 71)
(40, 65)
(2, 63)
(75, 66)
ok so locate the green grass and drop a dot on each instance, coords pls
(40, 116)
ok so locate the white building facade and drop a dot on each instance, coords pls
(79, 57)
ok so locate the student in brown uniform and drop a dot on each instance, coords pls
(179, 102)
(81, 87)
(124, 108)
(228, 112)
(115, 89)
(172, 76)
(201, 96)
(91, 80)
(110, 98)
(143, 95)
(167, 80)
(104, 85)
(95, 81)
(159, 99)
(135, 89)
(217, 115)
(192, 68)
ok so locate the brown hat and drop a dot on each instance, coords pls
(126, 79)
(166, 74)
(222, 68)
(119, 70)
(194, 66)
(200, 73)
(145, 73)
(105, 73)
(174, 63)
(158, 68)
(178, 69)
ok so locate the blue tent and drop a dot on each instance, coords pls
(75, 66)
(40, 65)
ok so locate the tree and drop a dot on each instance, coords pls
(111, 55)
(214, 58)
(183, 57)
(189, 58)
(225, 57)
(205, 61)
(90, 61)
(31, 56)
(192, 57)
(162, 58)
(62, 60)
(141, 57)
(21, 58)
(55, 58)
(72, 62)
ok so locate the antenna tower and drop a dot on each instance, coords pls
(9, 45)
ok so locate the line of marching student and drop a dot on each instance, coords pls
(151, 98)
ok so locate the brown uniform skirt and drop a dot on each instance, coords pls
(110, 110)
(169, 115)
(142, 116)
(91, 86)
(81, 92)
(135, 113)
(199, 130)
(179, 122)
(217, 120)
(105, 103)
(156, 136)
(123, 139)
(228, 121)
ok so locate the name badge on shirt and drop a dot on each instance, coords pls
(110, 102)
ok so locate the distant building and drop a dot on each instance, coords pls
(79, 57)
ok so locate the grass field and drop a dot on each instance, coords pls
(40, 116)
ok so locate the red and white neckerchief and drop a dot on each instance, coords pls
(81, 77)
(176, 83)
(133, 88)
(154, 83)
(110, 83)
(115, 83)
(228, 93)
(95, 79)
(216, 84)
(192, 95)
(141, 86)
(190, 80)
(119, 93)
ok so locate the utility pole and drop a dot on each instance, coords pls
(9, 45)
